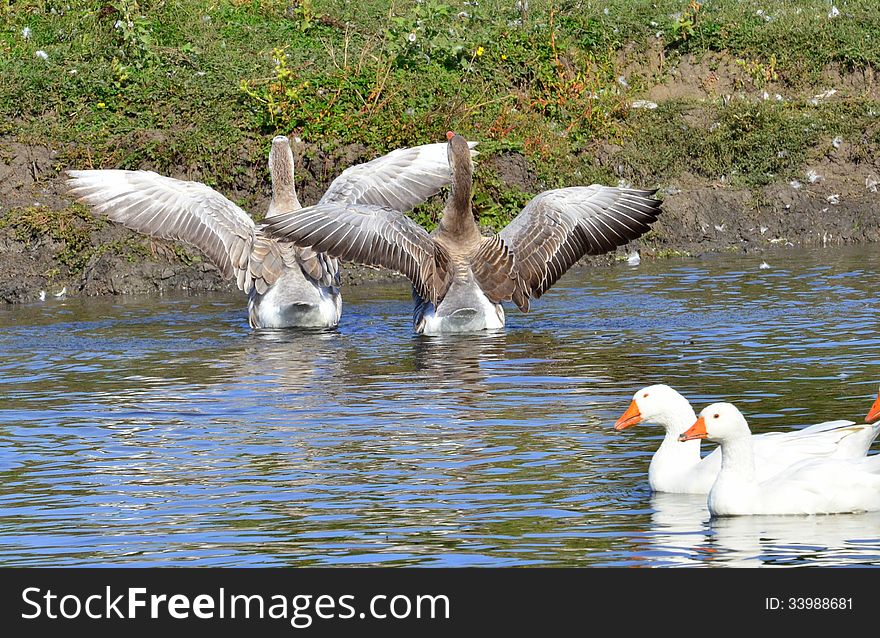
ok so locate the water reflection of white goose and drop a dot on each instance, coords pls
(678, 532)
(677, 466)
(682, 534)
(460, 277)
(286, 285)
(820, 541)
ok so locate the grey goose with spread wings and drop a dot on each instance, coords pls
(287, 285)
(459, 277)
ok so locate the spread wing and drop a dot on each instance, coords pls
(400, 180)
(190, 212)
(369, 235)
(558, 227)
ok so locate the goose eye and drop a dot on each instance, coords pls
(645, 395)
(714, 416)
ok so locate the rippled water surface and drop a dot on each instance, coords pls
(164, 431)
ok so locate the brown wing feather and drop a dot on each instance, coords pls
(557, 228)
(494, 269)
(370, 235)
(399, 180)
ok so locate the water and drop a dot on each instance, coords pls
(163, 431)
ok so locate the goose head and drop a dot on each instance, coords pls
(284, 197)
(874, 412)
(658, 404)
(718, 422)
(458, 221)
(459, 153)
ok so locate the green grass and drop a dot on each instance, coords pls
(202, 86)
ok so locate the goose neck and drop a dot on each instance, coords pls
(737, 457)
(458, 218)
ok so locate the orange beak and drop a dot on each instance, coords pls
(874, 412)
(630, 417)
(449, 135)
(696, 431)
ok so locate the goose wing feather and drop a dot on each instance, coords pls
(558, 227)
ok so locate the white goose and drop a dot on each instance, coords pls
(460, 277)
(812, 486)
(678, 467)
(287, 285)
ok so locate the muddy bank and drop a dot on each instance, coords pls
(46, 247)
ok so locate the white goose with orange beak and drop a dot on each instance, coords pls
(679, 468)
(812, 486)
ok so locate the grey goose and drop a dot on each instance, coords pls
(287, 285)
(459, 277)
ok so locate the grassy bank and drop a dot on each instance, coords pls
(198, 88)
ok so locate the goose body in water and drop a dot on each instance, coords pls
(460, 278)
(812, 486)
(287, 285)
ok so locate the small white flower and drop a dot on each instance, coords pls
(410, 112)
(719, 227)
(411, 37)
(778, 97)
(764, 265)
(42, 55)
(658, 35)
(73, 72)
(837, 141)
(834, 12)
(622, 81)
(782, 153)
(813, 176)
(833, 199)
(654, 24)
(763, 229)
(26, 33)
(42, 295)
(118, 24)
(795, 184)
(605, 10)
(765, 95)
